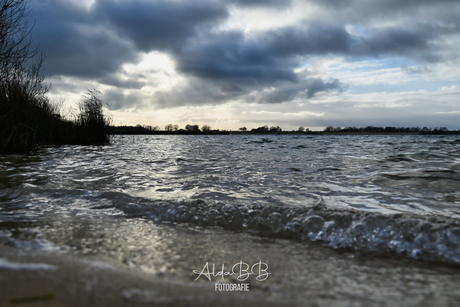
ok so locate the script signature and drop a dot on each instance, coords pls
(242, 270)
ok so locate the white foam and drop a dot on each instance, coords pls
(8, 265)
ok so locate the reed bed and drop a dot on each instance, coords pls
(27, 122)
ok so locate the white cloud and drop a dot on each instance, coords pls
(363, 73)
(451, 112)
(285, 114)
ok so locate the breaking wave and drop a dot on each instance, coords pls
(419, 237)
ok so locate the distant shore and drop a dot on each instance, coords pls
(111, 132)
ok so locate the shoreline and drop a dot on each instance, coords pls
(284, 133)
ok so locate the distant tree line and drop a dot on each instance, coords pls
(384, 129)
(195, 129)
(169, 129)
(266, 129)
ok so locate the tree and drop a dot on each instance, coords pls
(169, 127)
(301, 129)
(176, 127)
(26, 115)
(17, 68)
(192, 128)
(243, 129)
(332, 129)
(206, 128)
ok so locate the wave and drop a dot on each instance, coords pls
(429, 238)
(29, 239)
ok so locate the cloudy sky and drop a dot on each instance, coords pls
(234, 63)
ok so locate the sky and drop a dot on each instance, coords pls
(235, 63)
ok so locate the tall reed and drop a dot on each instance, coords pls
(91, 123)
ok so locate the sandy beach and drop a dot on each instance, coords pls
(48, 279)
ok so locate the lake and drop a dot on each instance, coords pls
(317, 220)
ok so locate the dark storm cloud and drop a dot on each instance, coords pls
(416, 43)
(88, 55)
(307, 40)
(414, 6)
(415, 70)
(262, 3)
(132, 83)
(74, 44)
(307, 88)
(229, 56)
(117, 100)
(159, 25)
(366, 12)
(261, 60)
(316, 85)
(273, 55)
(197, 92)
(264, 58)
(279, 95)
(320, 39)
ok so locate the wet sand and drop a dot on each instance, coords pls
(48, 279)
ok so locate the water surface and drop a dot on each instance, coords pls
(336, 217)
